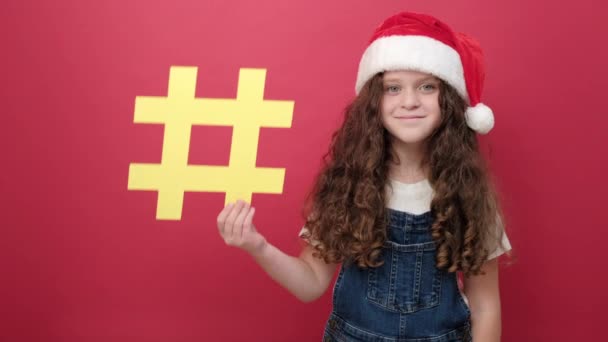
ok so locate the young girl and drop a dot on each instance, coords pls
(404, 201)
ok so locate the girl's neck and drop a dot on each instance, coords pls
(408, 167)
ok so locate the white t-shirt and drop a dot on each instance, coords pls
(415, 198)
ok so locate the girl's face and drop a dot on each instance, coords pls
(410, 105)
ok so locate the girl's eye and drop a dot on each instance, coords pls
(392, 89)
(428, 87)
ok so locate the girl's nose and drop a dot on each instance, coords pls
(410, 99)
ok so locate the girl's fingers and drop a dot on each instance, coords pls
(221, 218)
(248, 225)
(229, 227)
(237, 231)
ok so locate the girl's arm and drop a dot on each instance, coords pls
(306, 276)
(484, 300)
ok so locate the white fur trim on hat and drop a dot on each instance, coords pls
(480, 118)
(419, 53)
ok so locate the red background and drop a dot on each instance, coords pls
(84, 259)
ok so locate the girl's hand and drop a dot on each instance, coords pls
(236, 228)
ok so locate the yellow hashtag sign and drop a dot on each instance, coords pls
(179, 111)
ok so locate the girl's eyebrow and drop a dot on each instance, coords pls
(430, 78)
(425, 79)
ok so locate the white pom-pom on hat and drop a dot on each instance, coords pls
(480, 118)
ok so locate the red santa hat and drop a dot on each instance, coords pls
(412, 41)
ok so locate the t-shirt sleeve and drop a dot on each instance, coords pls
(495, 248)
(303, 231)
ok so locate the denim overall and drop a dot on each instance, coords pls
(407, 299)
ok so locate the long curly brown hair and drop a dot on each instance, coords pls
(345, 211)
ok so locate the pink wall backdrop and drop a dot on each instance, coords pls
(82, 258)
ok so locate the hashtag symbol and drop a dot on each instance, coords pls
(179, 111)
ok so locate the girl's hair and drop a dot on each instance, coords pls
(346, 213)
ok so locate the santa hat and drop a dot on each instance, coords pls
(419, 42)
